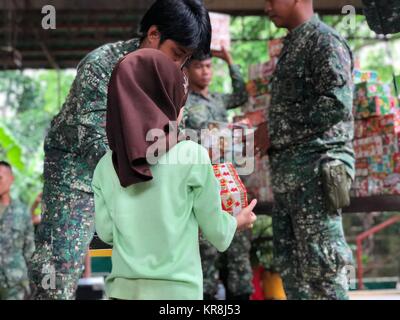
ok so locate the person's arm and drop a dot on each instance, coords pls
(92, 99)
(29, 238)
(217, 225)
(103, 220)
(195, 115)
(332, 81)
(36, 219)
(88, 267)
(239, 94)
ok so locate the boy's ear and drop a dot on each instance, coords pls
(153, 35)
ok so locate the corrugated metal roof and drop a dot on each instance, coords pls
(82, 25)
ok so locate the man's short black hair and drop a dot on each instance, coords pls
(198, 56)
(5, 164)
(186, 22)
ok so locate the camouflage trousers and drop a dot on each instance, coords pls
(20, 291)
(62, 240)
(235, 261)
(310, 250)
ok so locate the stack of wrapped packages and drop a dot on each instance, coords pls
(260, 76)
(224, 143)
(258, 183)
(376, 137)
(233, 191)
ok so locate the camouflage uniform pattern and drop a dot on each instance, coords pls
(310, 122)
(17, 246)
(74, 144)
(383, 16)
(310, 248)
(198, 112)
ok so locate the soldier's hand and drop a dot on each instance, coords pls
(246, 218)
(223, 54)
(261, 139)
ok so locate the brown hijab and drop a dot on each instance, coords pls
(146, 91)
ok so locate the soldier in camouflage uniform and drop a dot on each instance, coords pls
(310, 141)
(201, 108)
(76, 141)
(16, 241)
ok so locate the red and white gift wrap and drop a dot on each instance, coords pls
(233, 191)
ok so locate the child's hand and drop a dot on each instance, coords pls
(246, 217)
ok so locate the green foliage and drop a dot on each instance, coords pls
(10, 150)
(31, 101)
(262, 246)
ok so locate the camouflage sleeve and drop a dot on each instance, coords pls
(239, 94)
(331, 72)
(29, 242)
(92, 99)
(195, 114)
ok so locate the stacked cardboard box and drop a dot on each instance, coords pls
(221, 37)
(233, 191)
(258, 183)
(377, 137)
(364, 76)
(373, 99)
(260, 76)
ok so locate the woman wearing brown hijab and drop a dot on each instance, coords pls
(151, 213)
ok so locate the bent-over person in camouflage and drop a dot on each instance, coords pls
(76, 142)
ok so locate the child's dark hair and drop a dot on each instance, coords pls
(198, 56)
(184, 21)
(5, 164)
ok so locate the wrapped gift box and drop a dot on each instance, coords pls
(391, 184)
(375, 185)
(396, 163)
(233, 191)
(372, 89)
(368, 147)
(370, 107)
(260, 102)
(390, 124)
(394, 104)
(360, 187)
(262, 70)
(367, 127)
(220, 24)
(258, 184)
(390, 144)
(275, 47)
(258, 87)
(256, 117)
(380, 165)
(362, 167)
(364, 76)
